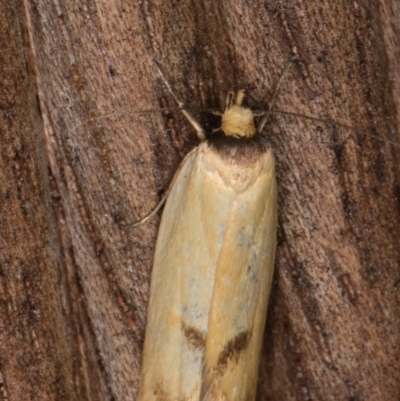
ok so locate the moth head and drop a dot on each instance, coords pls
(237, 121)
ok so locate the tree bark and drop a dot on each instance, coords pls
(96, 162)
(35, 346)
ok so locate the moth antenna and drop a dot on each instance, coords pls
(116, 114)
(271, 101)
(181, 105)
(335, 123)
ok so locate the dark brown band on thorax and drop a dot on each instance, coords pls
(241, 150)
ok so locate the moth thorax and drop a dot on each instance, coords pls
(238, 121)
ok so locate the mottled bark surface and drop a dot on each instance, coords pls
(35, 341)
(75, 170)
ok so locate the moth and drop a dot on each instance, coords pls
(213, 265)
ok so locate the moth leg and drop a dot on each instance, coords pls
(164, 197)
(259, 114)
(272, 99)
(152, 213)
(181, 105)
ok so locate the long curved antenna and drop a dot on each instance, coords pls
(334, 123)
(271, 101)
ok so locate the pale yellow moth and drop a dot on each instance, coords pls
(213, 266)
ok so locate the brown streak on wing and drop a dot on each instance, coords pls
(196, 338)
(161, 394)
(233, 349)
(231, 352)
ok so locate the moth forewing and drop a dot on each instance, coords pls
(213, 269)
(242, 283)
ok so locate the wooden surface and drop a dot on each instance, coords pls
(81, 160)
(35, 351)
